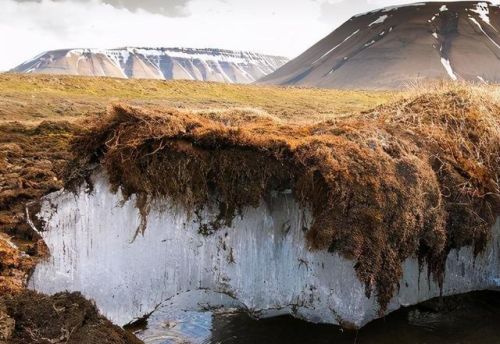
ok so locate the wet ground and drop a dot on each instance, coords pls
(472, 318)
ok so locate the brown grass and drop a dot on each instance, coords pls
(416, 178)
(31, 163)
(36, 98)
(32, 160)
(13, 267)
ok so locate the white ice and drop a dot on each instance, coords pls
(262, 261)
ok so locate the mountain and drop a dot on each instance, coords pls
(156, 63)
(394, 46)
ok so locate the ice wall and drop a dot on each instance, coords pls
(262, 261)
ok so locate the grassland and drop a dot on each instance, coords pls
(34, 98)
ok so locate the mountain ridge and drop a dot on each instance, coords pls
(218, 65)
(395, 46)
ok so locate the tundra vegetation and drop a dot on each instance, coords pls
(387, 176)
(41, 115)
(414, 178)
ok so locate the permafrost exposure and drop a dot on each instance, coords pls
(261, 262)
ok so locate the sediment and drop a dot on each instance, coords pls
(61, 318)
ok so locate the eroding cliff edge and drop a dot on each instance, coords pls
(383, 195)
(262, 261)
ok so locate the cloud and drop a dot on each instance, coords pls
(336, 12)
(169, 8)
(30, 27)
(281, 27)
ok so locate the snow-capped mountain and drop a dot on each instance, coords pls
(156, 63)
(395, 46)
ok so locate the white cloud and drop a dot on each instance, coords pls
(171, 8)
(275, 27)
(280, 27)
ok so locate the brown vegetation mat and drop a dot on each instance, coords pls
(416, 178)
(62, 318)
(31, 163)
(32, 160)
(14, 267)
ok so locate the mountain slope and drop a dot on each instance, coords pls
(156, 63)
(394, 46)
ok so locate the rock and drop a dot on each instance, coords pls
(261, 263)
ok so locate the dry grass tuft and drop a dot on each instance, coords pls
(415, 178)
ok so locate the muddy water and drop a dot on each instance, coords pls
(473, 318)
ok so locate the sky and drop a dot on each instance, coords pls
(277, 27)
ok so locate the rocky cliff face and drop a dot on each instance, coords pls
(156, 63)
(397, 46)
(261, 263)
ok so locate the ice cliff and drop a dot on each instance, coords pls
(261, 263)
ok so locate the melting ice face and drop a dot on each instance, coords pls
(261, 264)
(473, 316)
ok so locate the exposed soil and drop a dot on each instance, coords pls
(413, 179)
(62, 318)
(32, 160)
(14, 267)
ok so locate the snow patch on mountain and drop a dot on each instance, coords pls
(482, 30)
(449, 69)
(338, 45)
(482, 9)
(157, 63)
(379, 20)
